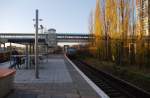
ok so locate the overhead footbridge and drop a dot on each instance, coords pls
(45, 38)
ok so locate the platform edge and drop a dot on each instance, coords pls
(101, 93)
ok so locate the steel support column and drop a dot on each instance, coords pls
(27, 57)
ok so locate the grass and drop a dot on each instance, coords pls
(133, 74)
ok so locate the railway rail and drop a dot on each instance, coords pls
(111, 85)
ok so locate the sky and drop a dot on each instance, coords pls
(70, 16)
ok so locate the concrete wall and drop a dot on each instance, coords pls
(6, 85)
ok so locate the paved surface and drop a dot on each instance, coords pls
(54, 71)
(58, 79)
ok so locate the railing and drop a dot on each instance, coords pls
(25, 61)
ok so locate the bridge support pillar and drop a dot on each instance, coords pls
(47, 52)
(30, 52)
(10, 52)
(27, 57)
(4, 47)
(33, 49)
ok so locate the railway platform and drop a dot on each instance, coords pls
(58, 78)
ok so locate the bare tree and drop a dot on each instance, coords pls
(132, 34)
(91, 29)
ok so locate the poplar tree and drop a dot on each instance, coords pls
(111, 32)
(98, 29)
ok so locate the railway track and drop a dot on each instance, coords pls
(112, 86)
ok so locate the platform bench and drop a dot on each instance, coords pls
(6, 81)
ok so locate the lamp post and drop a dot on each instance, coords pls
(36, 43)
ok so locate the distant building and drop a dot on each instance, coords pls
(142, 16)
